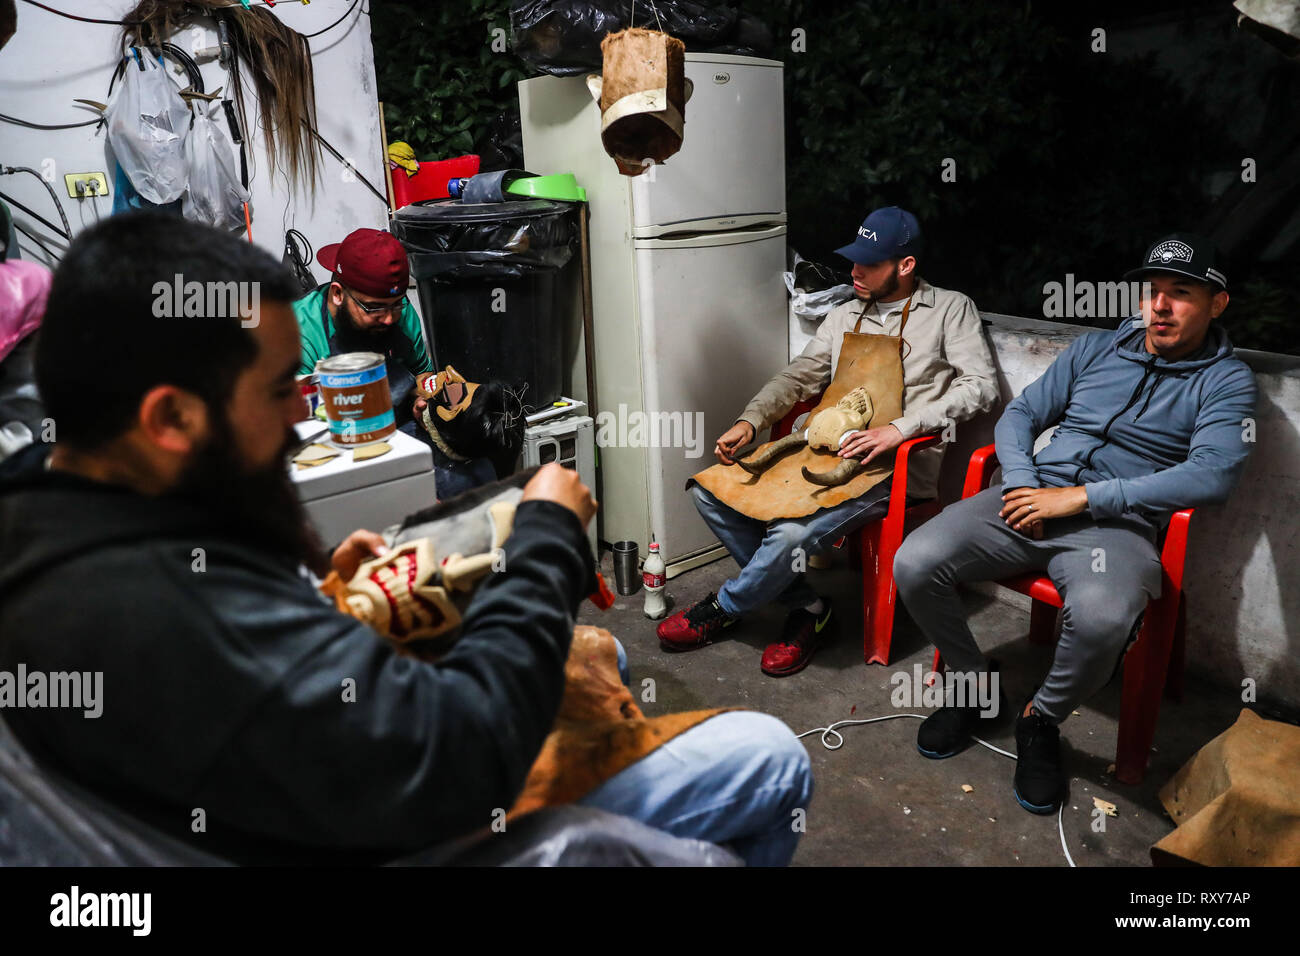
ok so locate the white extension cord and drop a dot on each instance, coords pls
(832, 733)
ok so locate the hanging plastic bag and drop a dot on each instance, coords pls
(147, 125)
(562, 37)
(214, 194)
(812, 304)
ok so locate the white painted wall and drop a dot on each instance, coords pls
(52, 60)
(1243, 563)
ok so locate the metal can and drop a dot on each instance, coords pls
(354, 390)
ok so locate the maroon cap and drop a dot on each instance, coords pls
(368, 260)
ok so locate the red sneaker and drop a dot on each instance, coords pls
(803, 634)
(694, 627)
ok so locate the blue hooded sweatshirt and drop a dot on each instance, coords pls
(1142, 435)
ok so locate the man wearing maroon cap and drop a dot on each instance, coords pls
(363, 308)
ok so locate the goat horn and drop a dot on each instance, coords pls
(764, 459)
(841, 473)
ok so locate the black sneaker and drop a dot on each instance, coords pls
(1040, 780)
(695, 626)
(948, 731)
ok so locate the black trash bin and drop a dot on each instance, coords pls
(487, 279)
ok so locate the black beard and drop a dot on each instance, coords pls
(259, 506)
(351, 338)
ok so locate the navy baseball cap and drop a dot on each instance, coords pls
(888, 233)
(1186, 254)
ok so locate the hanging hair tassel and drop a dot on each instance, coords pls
(277, 57)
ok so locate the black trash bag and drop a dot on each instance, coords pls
(562, 37)
(749, 37)
(502, 143)
(446, 240)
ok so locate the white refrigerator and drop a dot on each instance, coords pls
(689, 308)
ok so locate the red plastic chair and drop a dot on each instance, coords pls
(1157, 654)
(878, 541)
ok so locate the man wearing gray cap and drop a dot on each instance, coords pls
(948, 377)
(1150, 419)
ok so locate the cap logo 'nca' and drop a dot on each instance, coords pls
(1169, 251)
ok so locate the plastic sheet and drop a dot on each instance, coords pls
(450, 240)
(47, 821)
(814, 302)
(562, 37)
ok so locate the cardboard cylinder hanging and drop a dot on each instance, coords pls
(642, 95)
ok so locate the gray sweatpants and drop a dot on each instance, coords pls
(1105, 571)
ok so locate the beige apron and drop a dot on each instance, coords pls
(875, 361)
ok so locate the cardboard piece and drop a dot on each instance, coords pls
(1237, 802)
(366, 452)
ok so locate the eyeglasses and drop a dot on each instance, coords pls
(394, 307)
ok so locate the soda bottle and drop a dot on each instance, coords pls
(653, 577)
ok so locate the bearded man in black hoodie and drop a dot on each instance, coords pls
(159, 542)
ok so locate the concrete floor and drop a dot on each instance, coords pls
(880, 803)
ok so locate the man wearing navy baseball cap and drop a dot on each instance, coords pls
(948, 377)
(363, 308)
(1150, 419)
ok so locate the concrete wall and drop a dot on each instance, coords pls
(1243, 565)
(52, 60)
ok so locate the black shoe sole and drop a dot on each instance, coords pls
(935, 755)
(1040, 809)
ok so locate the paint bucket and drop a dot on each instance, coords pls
(354, 390)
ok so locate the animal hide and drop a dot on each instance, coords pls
(783, 490)
(415, 597)
(642, 92)
(599, 730)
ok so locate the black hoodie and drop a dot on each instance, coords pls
(237, 691)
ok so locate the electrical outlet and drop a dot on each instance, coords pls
(92, 184)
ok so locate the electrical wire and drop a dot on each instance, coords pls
(832, 732)
(6, 170)
(171, 49)
(34, 238)
(136, 23)
(21, 122)
(339, 156)
(308, 36)
(73, 16)
(294, 243)
(35, 215)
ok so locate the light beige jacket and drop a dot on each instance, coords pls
(948, 373)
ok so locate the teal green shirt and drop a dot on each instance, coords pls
(315, 328)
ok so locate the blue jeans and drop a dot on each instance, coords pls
(737, 779)
(766, 551)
